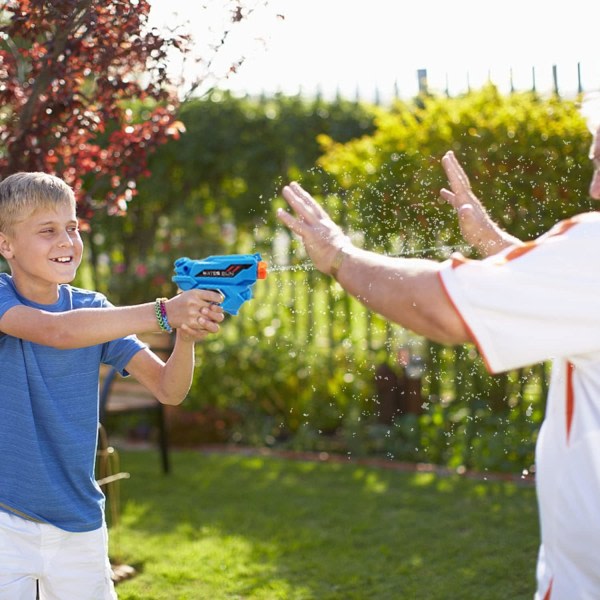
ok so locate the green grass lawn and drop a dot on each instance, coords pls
(247, 527)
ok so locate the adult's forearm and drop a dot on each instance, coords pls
(404, 290)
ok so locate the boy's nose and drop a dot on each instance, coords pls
(65, 240)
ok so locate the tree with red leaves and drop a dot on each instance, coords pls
(70, 73)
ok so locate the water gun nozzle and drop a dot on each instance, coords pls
(262, 270)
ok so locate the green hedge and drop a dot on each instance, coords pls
(301, 366)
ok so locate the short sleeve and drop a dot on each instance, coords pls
(119, 352)
(8, 297)
(116, 353)
(534, 302)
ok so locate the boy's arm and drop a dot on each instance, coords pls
(170, 382)
(89, 326)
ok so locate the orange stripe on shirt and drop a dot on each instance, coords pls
(558, 229)
(563, 226)
(516, 251)
(549, 592)
(464, 322)
(520, 250)
(458, 259)
(570, 403)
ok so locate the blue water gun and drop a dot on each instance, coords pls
(231, 274)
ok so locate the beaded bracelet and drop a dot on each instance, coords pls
(161, 315)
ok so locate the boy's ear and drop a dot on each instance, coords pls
(6, 248)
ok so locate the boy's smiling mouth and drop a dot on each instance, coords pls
(62, 259)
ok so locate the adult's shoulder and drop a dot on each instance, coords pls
(581, 225)
(588, 218)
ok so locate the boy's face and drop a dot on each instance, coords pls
(43, 250)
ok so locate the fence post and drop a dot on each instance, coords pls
(422, 78)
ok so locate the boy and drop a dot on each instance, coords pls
(53, 338)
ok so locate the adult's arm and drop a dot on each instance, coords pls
(476, 225)
(407, 291)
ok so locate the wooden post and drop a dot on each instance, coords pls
(422, 79)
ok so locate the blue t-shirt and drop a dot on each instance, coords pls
(49, 418)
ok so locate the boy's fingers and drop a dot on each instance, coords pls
(202, 323)
(194, 334)
(214, 296)
(210, 326)
(214, 315)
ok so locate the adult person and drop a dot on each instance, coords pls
(527, 302)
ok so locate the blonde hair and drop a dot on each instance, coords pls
(23, 193)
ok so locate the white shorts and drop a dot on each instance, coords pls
(68, 566)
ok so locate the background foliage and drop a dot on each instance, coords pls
(88, 90)
(212, 190)
(304, 365)
(70, 70)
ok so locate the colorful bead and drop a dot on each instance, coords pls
(160, 310)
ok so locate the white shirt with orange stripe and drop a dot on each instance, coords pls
(535, 303)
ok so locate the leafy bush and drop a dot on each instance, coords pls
(299, 367)
(277, 392)
(526, 157)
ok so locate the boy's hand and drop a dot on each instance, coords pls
(196, 313)
(207, 323)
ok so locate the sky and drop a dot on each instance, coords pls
(356, 47)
